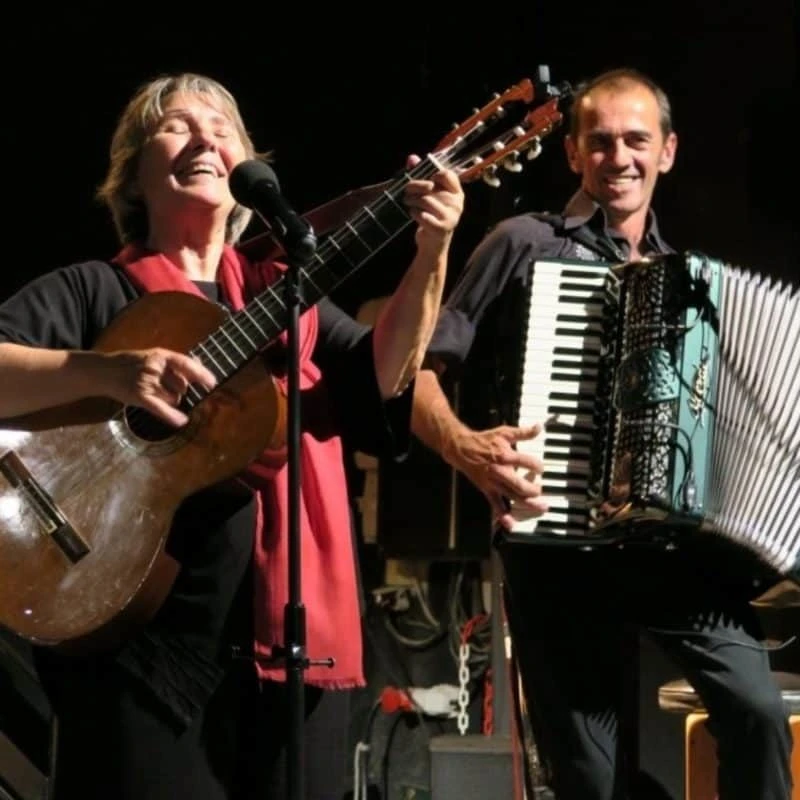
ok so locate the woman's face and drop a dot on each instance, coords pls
(185, 163)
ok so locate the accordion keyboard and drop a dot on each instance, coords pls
(564, 340)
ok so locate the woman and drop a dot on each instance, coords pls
(190, 704)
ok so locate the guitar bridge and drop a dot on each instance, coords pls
(53, 522)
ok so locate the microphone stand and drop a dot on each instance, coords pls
(293, 651)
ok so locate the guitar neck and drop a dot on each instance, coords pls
(247, 331)
(340, 254)
(472, 149)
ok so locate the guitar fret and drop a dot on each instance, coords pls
(213, 340)
(340, 250)
(235, 345)
(251, 319)
(213, 364)
(394, 217)
(257, 300)
(276, 297)
(307, 276)
(193, 395)
(359, 238)
(328, 276)
(243, 332)
(393, 201)
(375, 219)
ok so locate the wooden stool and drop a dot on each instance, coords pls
(700, 746)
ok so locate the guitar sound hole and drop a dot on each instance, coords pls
(147, 427)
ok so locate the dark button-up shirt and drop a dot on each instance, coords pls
(505, 258)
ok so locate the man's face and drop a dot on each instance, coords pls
(620, 150)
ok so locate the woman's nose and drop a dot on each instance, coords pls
(203, 137)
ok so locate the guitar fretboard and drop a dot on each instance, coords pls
(247, 331)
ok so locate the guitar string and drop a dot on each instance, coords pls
(269, 301)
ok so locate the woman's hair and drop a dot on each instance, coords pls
(120, 192)
(617, 80)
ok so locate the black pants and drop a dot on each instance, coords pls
(116, 741)
(570, 614)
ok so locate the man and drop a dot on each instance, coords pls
(571, 609)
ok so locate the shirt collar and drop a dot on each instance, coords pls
(581, 209)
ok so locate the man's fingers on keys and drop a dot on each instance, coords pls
(523, 433)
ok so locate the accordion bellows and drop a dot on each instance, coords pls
(669, 388)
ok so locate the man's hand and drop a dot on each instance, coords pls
(505, 475)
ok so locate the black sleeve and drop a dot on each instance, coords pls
(66, 308)
(344, 354)
(503, 257)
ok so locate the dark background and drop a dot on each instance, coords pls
(342, 98)
(343, 95)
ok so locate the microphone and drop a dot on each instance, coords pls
(255, 185)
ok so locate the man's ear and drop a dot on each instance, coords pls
(667, 157)
(573, 159)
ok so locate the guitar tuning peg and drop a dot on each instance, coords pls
(490, 177)
(535, 148)
(500, 111)
(511, 163)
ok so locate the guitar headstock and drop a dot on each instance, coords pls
(479, 147)
(490, 140)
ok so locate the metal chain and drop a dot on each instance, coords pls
(488, 704)
(463, 683)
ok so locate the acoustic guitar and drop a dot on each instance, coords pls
(88, 490)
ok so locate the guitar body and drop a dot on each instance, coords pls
(86, 503)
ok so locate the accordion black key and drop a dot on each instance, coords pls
(669, 390)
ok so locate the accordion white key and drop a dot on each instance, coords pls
(670, 392)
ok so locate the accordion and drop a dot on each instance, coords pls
(670, 393)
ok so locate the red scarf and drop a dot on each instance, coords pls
(329, 588)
